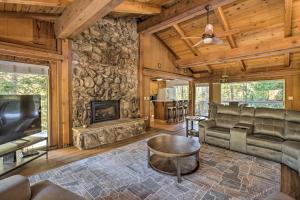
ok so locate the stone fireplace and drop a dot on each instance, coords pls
(105, 63)
(105, 110)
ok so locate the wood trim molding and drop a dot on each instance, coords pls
(163, 74)
(10, 49)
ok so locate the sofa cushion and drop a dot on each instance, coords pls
(292, 126)
(15, 187)
(265, 141)
(46, 190)
(219, 132)
(247, 115)
(291, 148)
(269, 126)
(230, 110)
(270, 113)
(226, 121)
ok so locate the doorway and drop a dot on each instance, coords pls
(169, 100)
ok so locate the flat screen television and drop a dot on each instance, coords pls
(20, 116)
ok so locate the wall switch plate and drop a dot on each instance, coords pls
(290, 98)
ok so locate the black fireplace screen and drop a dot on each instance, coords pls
(105, 110)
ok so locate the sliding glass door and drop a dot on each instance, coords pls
(202, 99)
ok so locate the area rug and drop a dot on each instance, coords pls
(122, 174)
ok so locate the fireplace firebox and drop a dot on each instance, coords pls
(105, 110)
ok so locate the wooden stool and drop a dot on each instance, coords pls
(174, 114)
(170, 115)
(180, 113)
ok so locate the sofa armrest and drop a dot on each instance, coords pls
(203, 125)
(238, 138)
(15, 187)
(207, 123)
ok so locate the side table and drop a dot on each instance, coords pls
(192, 119)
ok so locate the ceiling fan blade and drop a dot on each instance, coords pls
(217, 41)
(191, 37)
(226, 33)
(198, 43)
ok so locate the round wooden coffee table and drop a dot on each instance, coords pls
(174, 155)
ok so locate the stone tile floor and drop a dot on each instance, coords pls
(123, 174)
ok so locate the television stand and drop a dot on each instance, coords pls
(11, 156)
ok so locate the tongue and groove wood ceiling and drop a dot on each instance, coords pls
(271, 27)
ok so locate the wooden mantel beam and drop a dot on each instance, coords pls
(138, 8)
(49, 3)
(261, 49)
(81, 14)
(182, 11)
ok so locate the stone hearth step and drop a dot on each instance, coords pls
(107, 132)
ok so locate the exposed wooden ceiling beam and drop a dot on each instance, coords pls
(209, 69)
(81, 14)
(261, 49)
(287, 59)
(243, 65)
(138, 8)
(224, 23)
(48, 3)
(39, 16)
(270, 74)
(182, 11)
(288, 5)
(230, 38)
(188, 42)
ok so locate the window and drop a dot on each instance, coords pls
(268, 94)
(26, 79)
(202, 99)
(182, 92)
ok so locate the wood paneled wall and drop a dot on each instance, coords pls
(33, 41)
(29, 32)
(292, 90)
(155, 61)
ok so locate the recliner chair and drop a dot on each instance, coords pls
(217, 130)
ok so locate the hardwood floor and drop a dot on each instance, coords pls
(64, 156)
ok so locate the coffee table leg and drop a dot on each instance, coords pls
(178, 170)
(148, 158)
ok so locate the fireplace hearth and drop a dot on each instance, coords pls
(105, 110)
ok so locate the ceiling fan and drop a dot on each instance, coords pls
(209, 37)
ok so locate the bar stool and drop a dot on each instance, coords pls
(180, 112)
(170, 115)
(175, 111)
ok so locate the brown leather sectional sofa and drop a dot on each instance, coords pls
(18, 188)
(273, 134)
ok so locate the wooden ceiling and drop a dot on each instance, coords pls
(266, 37)
(261, 23)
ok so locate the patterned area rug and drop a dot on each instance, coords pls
(123, 174)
